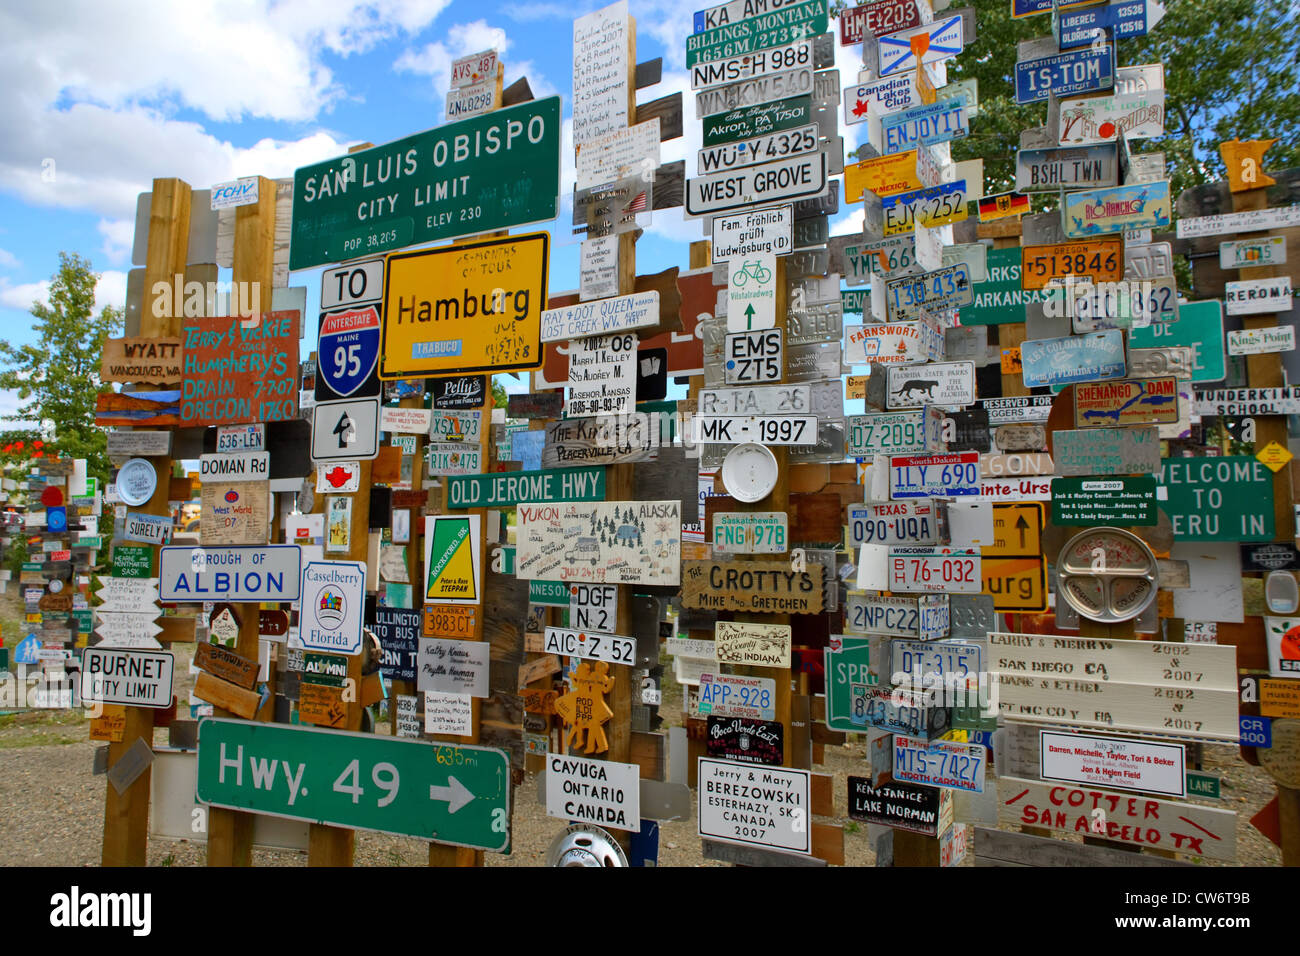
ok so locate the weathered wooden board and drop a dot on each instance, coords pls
(607, 440)
(228, 696)
(1124, 818)
(222, 662)
(1138, 662)
(535, 405)
(765, 586)
(1003, 848)
(145, 360)
(816, 518)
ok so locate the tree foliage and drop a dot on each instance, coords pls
(1230, 72)
(57, 376)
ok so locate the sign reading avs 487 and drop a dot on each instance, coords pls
(456, 180)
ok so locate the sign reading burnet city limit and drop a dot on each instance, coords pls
(457, 180)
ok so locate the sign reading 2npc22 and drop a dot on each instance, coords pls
(489, 172)
(475, 307)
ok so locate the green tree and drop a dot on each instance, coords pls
(58, 374)
(1230, 68)
(499, 396)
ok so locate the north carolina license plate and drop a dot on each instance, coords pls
(939, 763)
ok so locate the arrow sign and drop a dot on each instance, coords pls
(1126, 19)
(127, 629)
(454, 794)
(128, 594)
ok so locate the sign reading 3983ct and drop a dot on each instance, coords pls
(474, 307)
(456, 180)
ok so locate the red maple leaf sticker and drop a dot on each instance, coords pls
(860, 109)
(338, 476)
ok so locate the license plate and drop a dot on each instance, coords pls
(904, 522)
(1120, 305)
(590, 645)
(241, 438)
(917, 659)
(935, 206)
(455, 426)
(919, 431)
(750, 532)
(728, 695)
(1062, 74)
(926, 125)
(762, 149)
(448, 620)
(1100, 260)
(764, 429)
(894, 711)
(753, 357)
(751, 65)
(868, 613)
(761, 400)
(948, 288)
(454, 458)
(939, 763)
(931, 476)
(950, 570)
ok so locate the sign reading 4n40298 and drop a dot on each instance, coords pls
(489, 172)
(475, 307)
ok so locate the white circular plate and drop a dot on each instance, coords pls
(136, 481)
(749, 472)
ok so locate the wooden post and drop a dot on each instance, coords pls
(414, 554)
(126, 815)
(230, 833)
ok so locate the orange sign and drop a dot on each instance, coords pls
(883, 175)
(1279, 698)
(320, 705)
(1101, 260)
(1011, 360)
(1244, 160)
(584, 708)
(448, 620)
(1012, 568)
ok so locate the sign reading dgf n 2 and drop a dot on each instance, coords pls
(489, 172)
(475, 307)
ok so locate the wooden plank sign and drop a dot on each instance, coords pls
(237, 373)
(765, 586)
(145, 360)
(1119, 817)
(224, 663)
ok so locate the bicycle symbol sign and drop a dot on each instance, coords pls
(751, 293)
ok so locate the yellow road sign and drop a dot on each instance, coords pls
(474, 307)
(1014, 569)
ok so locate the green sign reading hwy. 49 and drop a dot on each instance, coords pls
(488, 172)
(456, 794)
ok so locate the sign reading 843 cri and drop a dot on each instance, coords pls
(473, 307)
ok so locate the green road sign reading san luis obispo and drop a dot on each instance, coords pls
(456, 794)
(488, 172)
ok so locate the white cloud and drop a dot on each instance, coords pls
(8, 260)
(118, 237)
(110, 290)
(21, 296)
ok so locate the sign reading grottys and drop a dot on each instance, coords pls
(489, 172)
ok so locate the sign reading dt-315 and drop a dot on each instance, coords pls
(452, 794)
(456, 180)
(473, 307)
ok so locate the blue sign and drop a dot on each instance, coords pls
(56, 519)
(1064, 74)
(1094, 357)
(28, 650)
(349, 351)
(925, 125)
(1127, 18)
(1027, 8)
(1256, 731)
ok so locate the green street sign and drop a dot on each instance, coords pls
(849, 666)
(749, 122)
(1202, 785)
(85, 621)
(488, 172)
(548, 592)
(1129, 500)
(325, 670)
(1229, 498)
(508, 488)
(1000, 300)
(1199, 326)
(973, 718)
(132, 561)
(855, 300)
(448, 793)
(777, 28)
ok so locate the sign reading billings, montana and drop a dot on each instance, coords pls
(488, 172)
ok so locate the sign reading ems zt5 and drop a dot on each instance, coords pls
(474, 307)
(456, 180)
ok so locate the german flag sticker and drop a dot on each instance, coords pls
(1003, 205)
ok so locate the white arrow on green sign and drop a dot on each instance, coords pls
(452, 794)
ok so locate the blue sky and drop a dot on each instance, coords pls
(116, 94)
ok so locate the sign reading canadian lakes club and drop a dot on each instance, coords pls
(456, 180)
(1229, 498)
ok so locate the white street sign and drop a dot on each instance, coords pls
(236, 466)
(333, 596)
(749, 234)
(759, 806)
(792, 178)
(751, 293)
(1258, 295)
(345, 430)
(130, 677)
(593, 791)
(240, 574)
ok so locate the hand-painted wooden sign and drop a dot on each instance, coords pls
(226, 664)
(143, 360)
(1146, 401)
(763, 586)
(584, 709)
(616, 542)
(237, 373)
